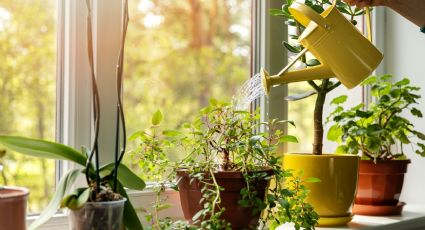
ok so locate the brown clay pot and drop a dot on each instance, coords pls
(232, 182)
(13, 205)
(380, 187)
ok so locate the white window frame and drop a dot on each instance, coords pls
(74, 126)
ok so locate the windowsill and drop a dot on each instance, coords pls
(413, 217)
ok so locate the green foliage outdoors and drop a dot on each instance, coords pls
(64, 197)
(221, 138)
(380, 130)
(27, 85)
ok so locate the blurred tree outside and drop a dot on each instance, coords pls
(179, 54)
(27, 84)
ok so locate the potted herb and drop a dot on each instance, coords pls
(13, 203)
(379, 132)
(337, 172)
(103, 203)
(224, 181)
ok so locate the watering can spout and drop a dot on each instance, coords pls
(312, 73)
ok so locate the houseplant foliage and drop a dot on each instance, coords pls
(379, 132)
(105, 184)
(220, 141)
(224, 142)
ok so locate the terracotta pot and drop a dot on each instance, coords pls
(380, 187)
(332, 197)
(13, 206)
(232, 182)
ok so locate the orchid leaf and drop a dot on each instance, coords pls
(125, 176)
(43, 149)
(64, 186)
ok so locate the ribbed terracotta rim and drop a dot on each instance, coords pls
(407, 161)
(9, 192)
(226, 174)
(324, 155)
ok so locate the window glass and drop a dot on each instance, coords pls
(27, 84)
(179, 54)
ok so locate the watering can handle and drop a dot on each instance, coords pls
(304, 15)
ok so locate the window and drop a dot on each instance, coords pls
(180, 54)
(27, 84)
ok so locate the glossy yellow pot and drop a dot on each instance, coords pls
(333, 197)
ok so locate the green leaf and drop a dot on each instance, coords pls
(334, 133)
(313, 180)
(130, 218)
(136, 135)
(402, 82)
(300, 96)
(291, 48)
(43, 149)
(312, 62)
(370, 80)
(339, 100)
(163, 207)
(125, 176)
(171, 133)
(64, 186)
(289, 138)
(77, 199)
(157, 118)
(416, 112)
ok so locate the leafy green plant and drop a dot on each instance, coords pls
(325, 86)
(225, 139)
(64, 197)
(152, 158)
(379, 130)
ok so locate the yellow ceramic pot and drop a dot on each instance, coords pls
(333, 197)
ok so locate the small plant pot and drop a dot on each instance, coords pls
(332, 197)
(232, 182)
(13, 206)
(98, 215)
(380, 187)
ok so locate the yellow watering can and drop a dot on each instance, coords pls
(341, 49)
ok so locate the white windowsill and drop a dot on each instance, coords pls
(413, 216)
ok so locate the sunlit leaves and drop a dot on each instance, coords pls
(379, 131)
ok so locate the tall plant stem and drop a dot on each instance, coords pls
(119, 154)
(318, 117)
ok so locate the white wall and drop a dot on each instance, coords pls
(405, 57)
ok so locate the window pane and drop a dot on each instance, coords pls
(181, 53)
(27, 84)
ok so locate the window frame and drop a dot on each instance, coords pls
(74, 114)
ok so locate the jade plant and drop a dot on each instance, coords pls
(223, 139)
(379, 130)
(323, 87)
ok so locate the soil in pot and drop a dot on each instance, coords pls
(380, 187)
(232, 182)
(13, 205)
(106, 215)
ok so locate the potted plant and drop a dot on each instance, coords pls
(103, 203)
(13, 204)
(333, 197)
(224, 179)
(379, 131)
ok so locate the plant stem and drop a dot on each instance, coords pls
(318, 118)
